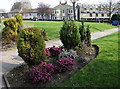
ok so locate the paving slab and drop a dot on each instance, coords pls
(10, 59)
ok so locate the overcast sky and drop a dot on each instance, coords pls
(7, 4)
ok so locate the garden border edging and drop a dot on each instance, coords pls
(6, 81)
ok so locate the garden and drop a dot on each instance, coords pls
(50, 30)
(73, 63)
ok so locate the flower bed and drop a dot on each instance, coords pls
(51, 72)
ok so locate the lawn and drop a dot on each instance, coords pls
(53, 27)
(102, 71)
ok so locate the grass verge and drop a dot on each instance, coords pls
(102, 71)
(53, 27)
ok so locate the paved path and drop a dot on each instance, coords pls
(10, 59)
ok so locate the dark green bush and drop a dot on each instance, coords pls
(115, 17)
(10, 31)
(19, 19)
(31, 46)
(69, 35)
(82, 32)
(44, 34)
(85, 36)
(0, 19)
(88, 36)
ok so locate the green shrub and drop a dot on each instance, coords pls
(10, 31)
(115, 17)
(69, 35)
(85, 37)
(88, 36)
(19, 19)
(31, 46)
(44, 34)
(0, 19)
(82, 32)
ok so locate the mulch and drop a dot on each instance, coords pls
(19, 77)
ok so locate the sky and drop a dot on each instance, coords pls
(7, 4)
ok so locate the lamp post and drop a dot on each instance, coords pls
(73, 2)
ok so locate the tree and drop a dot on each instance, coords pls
(16, 6)
(110, 7)
(74, 2)
(44, 9)
(21, 4)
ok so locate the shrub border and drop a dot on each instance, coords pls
(6, 80)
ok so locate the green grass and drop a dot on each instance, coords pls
(102, 71)
(53, 27)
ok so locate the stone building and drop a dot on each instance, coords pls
(94, 12)
(62, 11)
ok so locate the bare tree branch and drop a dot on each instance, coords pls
(109, 7)
(44, 9)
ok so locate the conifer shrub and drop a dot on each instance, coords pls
(44, 34)
(82, 32)
(88, 36)
(69, 35)
(85, 36)
(10, 31)
(31, 46)
(0, 20)
(19, 19)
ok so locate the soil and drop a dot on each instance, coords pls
(8, 46)
(18, 77)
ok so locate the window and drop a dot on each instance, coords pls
(55, 12)
(96, 14)
(84, 8)
(83, 12)
(71, 11)
(30, 14)
(107, 14)
(63, 11)
(90, 8)
(97, 9)
(102, 15)
(55, 17)
(90, 14)
(63, 18)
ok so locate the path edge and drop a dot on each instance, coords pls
(6, 81)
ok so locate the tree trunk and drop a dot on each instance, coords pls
(74, 11)
(42, 17)
(110, 12)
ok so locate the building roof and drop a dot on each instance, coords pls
(63, 6)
